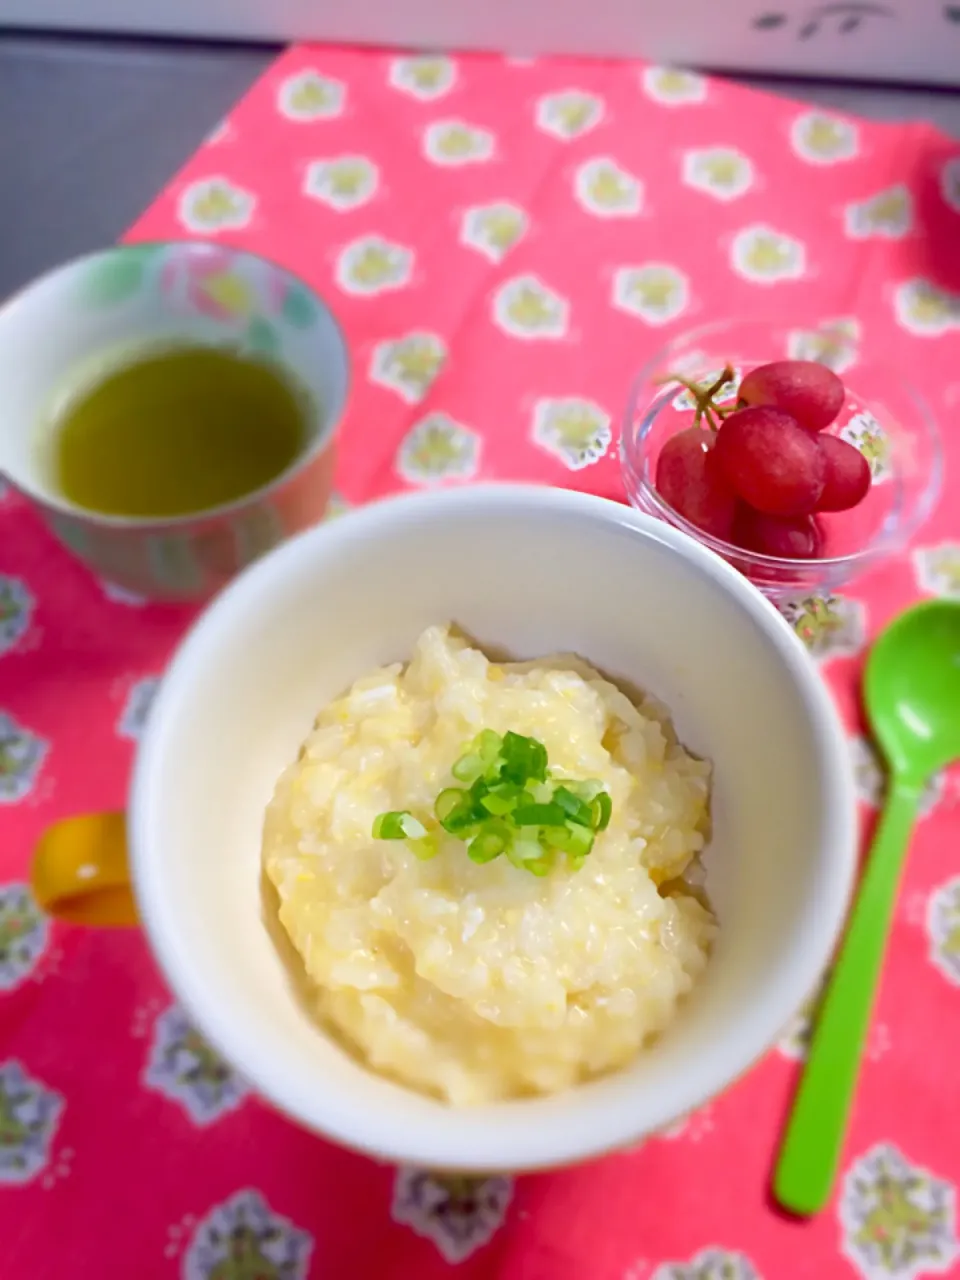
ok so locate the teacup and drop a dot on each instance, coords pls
(135, 296)
(530, 571)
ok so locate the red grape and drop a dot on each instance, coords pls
(796, 539)
(809, 392)
(687, 478)
(847, 475)
(770, 461)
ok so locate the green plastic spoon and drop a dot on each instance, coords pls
(912, 699)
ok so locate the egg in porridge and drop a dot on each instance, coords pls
(487, 871)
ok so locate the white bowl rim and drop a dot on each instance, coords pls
(601, 1129)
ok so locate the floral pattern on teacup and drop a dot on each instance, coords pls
(254, 301)
(207, 281)
(118, 275)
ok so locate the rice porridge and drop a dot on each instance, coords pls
(484, 869)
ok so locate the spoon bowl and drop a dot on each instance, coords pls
(912, 690)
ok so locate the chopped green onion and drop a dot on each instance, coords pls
(462, 822)
(523, 758)
(468, 768)
(573, 807)
(499, 806)
(580, 842)
(426, 848)
(550, 837)
(446, 802)
(489, 844)
(602, 807)
(487, 746)
(539, 815)
(394, 826)
(525, 849)
(503, 798)
(572, 839)
(510, 804)
(457, 812)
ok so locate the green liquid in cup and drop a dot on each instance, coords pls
(176, 432)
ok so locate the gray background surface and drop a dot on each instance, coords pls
(91, 129)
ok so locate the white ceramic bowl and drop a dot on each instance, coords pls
(532, 570)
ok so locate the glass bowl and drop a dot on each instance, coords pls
(883, 415)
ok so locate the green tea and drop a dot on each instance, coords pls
(177, 431)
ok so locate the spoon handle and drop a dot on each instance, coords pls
(814, 1138)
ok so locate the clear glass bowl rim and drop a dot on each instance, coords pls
(886, 543)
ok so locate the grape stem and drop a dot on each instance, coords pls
(703, 397)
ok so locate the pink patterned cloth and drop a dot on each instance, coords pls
(505, 242)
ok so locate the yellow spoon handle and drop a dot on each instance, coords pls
(80, 871)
